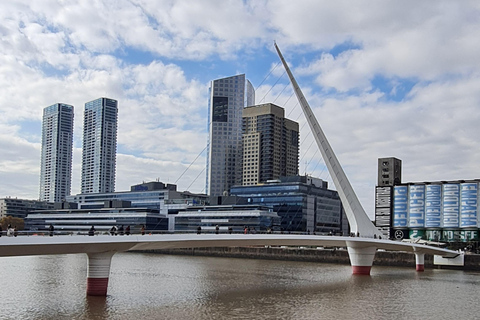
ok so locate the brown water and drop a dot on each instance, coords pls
(150, 286)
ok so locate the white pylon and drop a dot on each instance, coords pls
(359, 222)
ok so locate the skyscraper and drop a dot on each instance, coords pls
(56, 161)
(99, 146)
(270, 144)
(228, 97)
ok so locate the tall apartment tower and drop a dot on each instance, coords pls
(228, 97)
(99, 146)
(56, 162)
(270, 144)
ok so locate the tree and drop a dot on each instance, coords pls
(14, 222)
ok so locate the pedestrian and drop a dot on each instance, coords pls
(112, 231)
(199, 230)
(245, 230)
(51, 229)
(217, 229)
(142, 230)
(10, 231)
(15, 231)
(120, 230)
(127, 230)
(91, 232)
(230, 230)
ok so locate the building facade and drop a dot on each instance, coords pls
(228, 97)
(269, 144)
(304, 204)
(81, 220)
(234, 217)
(20, 208)
(99, 146)
(56, 158)
(446, 211)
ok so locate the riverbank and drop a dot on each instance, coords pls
(338, 256)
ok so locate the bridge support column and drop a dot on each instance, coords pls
(361, 257)
(98, 272)
(420, 261)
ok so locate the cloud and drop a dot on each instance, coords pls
(383, 80)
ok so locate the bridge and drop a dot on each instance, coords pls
(361, 250)
(101, 248)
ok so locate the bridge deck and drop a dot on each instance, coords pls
(69, 244)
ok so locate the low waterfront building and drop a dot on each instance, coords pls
(102, 219)
(20, 208)
(237, 217)
(303, 203)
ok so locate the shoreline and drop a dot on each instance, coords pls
(337, 256)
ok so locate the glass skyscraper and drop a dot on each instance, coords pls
(99, 146)
(228, 97)
(56, 159)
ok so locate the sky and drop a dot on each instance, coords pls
(384, 79)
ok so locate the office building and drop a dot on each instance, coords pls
(99, 146)
(269, 143)
(20, 208)
(234, 217)
(56, 158)
(103, 219)
(228, 97)
(304, 204)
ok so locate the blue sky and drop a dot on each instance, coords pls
(385, 78)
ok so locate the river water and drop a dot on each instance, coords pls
(153, 286)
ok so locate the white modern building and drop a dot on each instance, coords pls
(228, 97)
(99, 146)
(56, 159)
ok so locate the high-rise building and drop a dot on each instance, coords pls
(228, 97)
(56, 162)
(270, 144)
(99, 146)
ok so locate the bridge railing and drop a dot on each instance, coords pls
(47, 233)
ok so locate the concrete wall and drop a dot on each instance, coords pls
(339, 256)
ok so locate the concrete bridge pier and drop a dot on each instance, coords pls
(419, 260)
(98, 272)
(361, 257)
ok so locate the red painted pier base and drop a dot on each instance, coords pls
(97, 286)
(98, 272)
(364, 270)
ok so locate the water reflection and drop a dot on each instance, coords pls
(150, 286)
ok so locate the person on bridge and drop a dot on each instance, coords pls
(127, 230)
(113, 230)
(51, 229)
(91, 232)
(142, 230)
(217, 229)
(199, 230)
(120, 230)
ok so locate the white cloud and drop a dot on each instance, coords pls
(74, 52)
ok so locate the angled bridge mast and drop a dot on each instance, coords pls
(357, 218)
